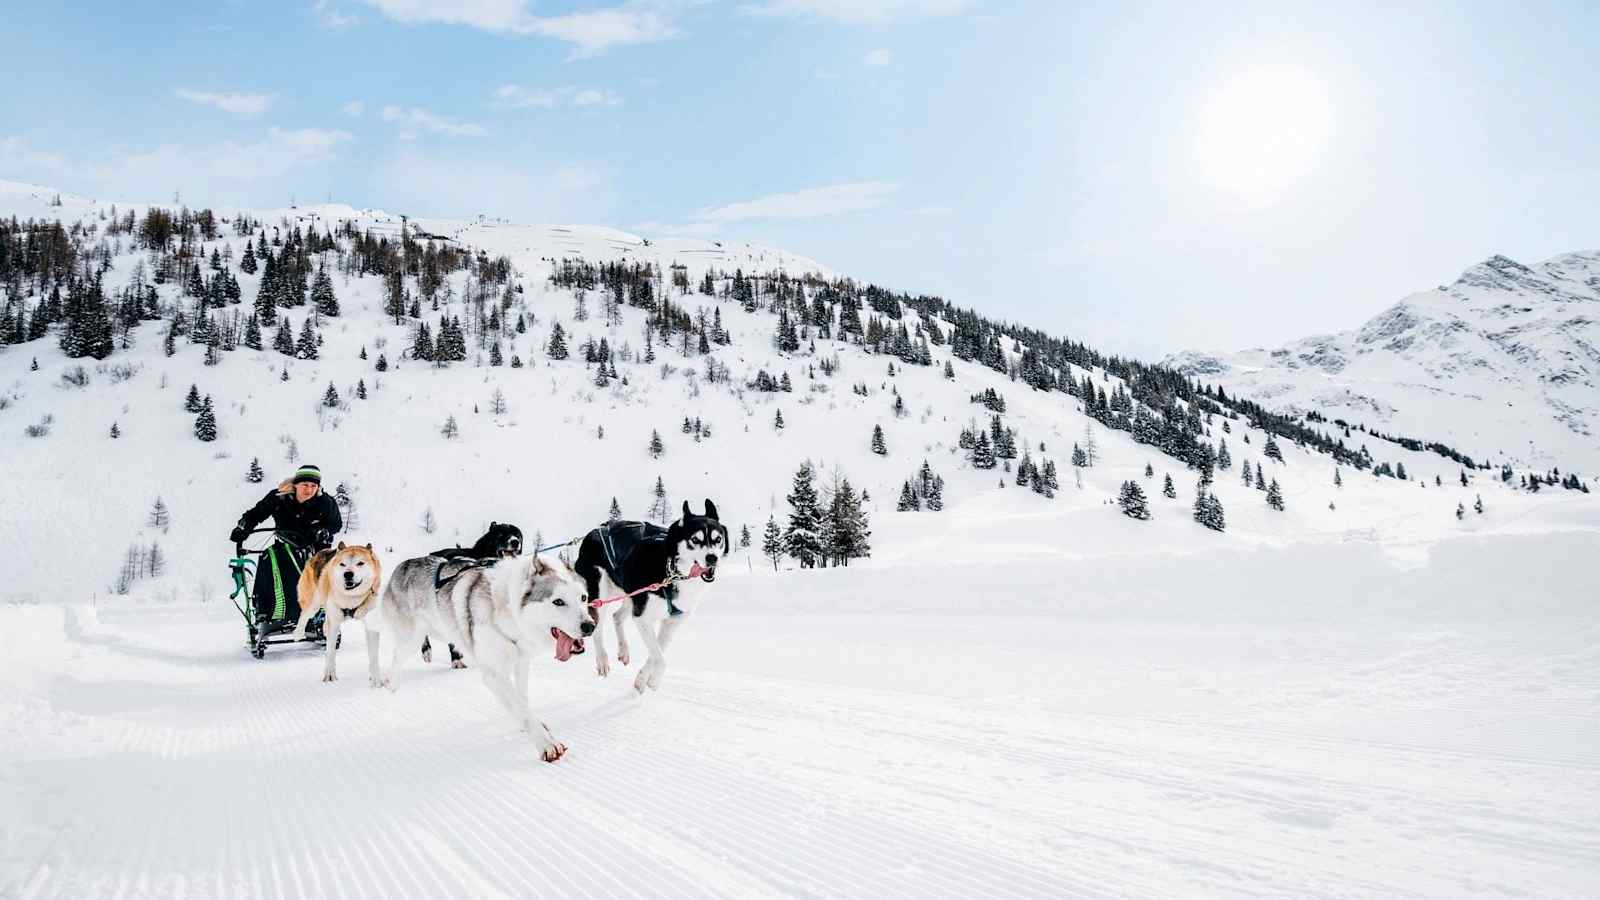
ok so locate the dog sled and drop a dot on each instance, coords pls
(261, 630)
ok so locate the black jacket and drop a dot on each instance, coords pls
(310, 524)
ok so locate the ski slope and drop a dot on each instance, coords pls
(1332, 723)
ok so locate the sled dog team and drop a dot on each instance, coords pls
(497, 607)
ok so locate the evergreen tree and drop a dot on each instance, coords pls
(1079, 458)
(802, 539)
(615, 512)
(656, 448)
(330, 397)
(306, 348)
(1461, 512)
(1208, 510)
(192, 403)
(1261, 483)
(382, 365)
(322, 293)
(1275, 496)
(772, 541)
(557, 348)
(660, 509)
(254, 475)
(847, 526)
(283, 341)
(878, 445)
(1271, 451)
(1477, 504)
(252, 332)
(1149, 471)
(1400, 471)
(744, 536)
(982, 453)
(777, 421)
(1168, 490)
(361, 389)
(1224, 460)
(247, 262)
(450, 429)
(205, 424)
(1132, 501)
(908, 500)
(495, 359)
(1338, 480)
(115, 431)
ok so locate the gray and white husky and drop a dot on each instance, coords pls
(499, 614)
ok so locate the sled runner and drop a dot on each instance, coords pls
(262, 629)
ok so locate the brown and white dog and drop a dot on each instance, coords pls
(345, 579)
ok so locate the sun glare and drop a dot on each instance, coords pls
(1263, 130)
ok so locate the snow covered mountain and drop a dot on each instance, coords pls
(1502, 363)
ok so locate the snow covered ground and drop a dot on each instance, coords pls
(1326, 721)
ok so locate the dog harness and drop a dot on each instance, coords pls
(440, 579)
(668, 590)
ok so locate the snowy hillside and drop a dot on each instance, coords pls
(1359, 685)
(1503, 363)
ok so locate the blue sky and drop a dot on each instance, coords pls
(1149, 177)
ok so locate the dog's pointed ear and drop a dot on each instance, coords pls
(686, 513)
(341, 545)
(540, 568)
(711, 510)
(493, 525)
(369, 548)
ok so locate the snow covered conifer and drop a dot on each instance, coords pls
(191, 403)
(878, 446)
(802, 540)
(1132, 501)
(361, 389)
(1224, 460)
(777, 421)
(1261, 483)
(382, 365)
(159, 516)
(615, 512)
(1477, 504)
(252, 332)
(660, 509)
(254, 475)
(1079, 458)
(1149, 471)
(1461, 512)
(1275, 496)
(744, 536)
(283, 341)
(982, 452)
(115, 431)
(330, 397)
(322, 293)
(656, 448)
(772, 542)
(495, 359)
(450, 429)
(205, 424)
(908, 500)
(1271, 451)
(1338, 480)
(1168, 490)
(557, 347)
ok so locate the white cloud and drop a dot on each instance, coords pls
(353, 108)
(238, 104)
(807, 204)
(561, 192)
(590, 31)
(861, 12)
(331, 18)
(877, 58)
(415, 119)
(133, 172)
(515, 96)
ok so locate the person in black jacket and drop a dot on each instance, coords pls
(305, 519)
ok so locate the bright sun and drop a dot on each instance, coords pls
(1263, 130)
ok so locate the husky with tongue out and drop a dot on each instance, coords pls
(499, 613)
(666, 569)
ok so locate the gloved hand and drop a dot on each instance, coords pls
(323, 538)
(238, 534)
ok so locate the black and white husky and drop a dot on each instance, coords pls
(500, 614)
(621, 557)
